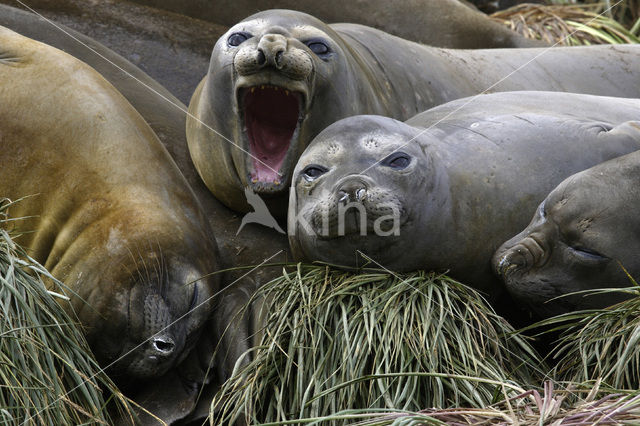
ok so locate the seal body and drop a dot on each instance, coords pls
(253, 245)
(106, 210)
(441, 23)
(583, 236)
(279, 77)
(443, 193)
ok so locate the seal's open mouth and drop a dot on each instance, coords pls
(272, 116)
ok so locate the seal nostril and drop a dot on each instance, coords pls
(360, 193)
(278, 58)
(343, 197)
(164, 345)
(261, 59)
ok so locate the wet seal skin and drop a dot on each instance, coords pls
(441, 23)
(167, 397)
(279, 77)
(582, 237)
(107, 211)
(445, 198)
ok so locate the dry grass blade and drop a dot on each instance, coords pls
(565, 407)
(335, 341)
(47, 373)
(567, 25)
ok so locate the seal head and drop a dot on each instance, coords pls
(275, 80)
(354, 191)
(583, 236)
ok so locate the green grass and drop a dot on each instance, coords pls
(335, 341)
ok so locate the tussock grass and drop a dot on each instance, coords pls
(335, 341)
(48, 375)
(601, 344)
(577, 406)
(567, 25)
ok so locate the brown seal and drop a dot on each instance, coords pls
(584, 236)
(167, 397)
(444, 192)
(107, 211)
(279, 77)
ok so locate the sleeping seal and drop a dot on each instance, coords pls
(279, 77)
(441, 23)
(580, 238)
(444, 192)
(106, 210)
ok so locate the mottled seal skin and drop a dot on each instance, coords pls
(279, 77)
(453, 188)
(441, 23)
(107, 211)
(582, 237)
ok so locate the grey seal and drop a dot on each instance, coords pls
(443, 192)
(279, 77)
(583, 236)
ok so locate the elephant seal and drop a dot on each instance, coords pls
(583, 236)
(445, 194)
(279, 77)
(106, 211)
(252, 246)
(441, 23)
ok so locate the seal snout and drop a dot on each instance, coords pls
(270, 50)
(357, 206)
(524, 255)
(273, 52)
(352, 190)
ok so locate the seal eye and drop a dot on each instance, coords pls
(588, 254)
(397, 160)
(236, 39)
(318, 46)
(194, 298)
(312, 172)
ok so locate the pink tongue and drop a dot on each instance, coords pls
(271, 117)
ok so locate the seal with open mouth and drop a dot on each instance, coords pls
(443, 193)
(583, 236)
(279, 77)
(106, 210)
